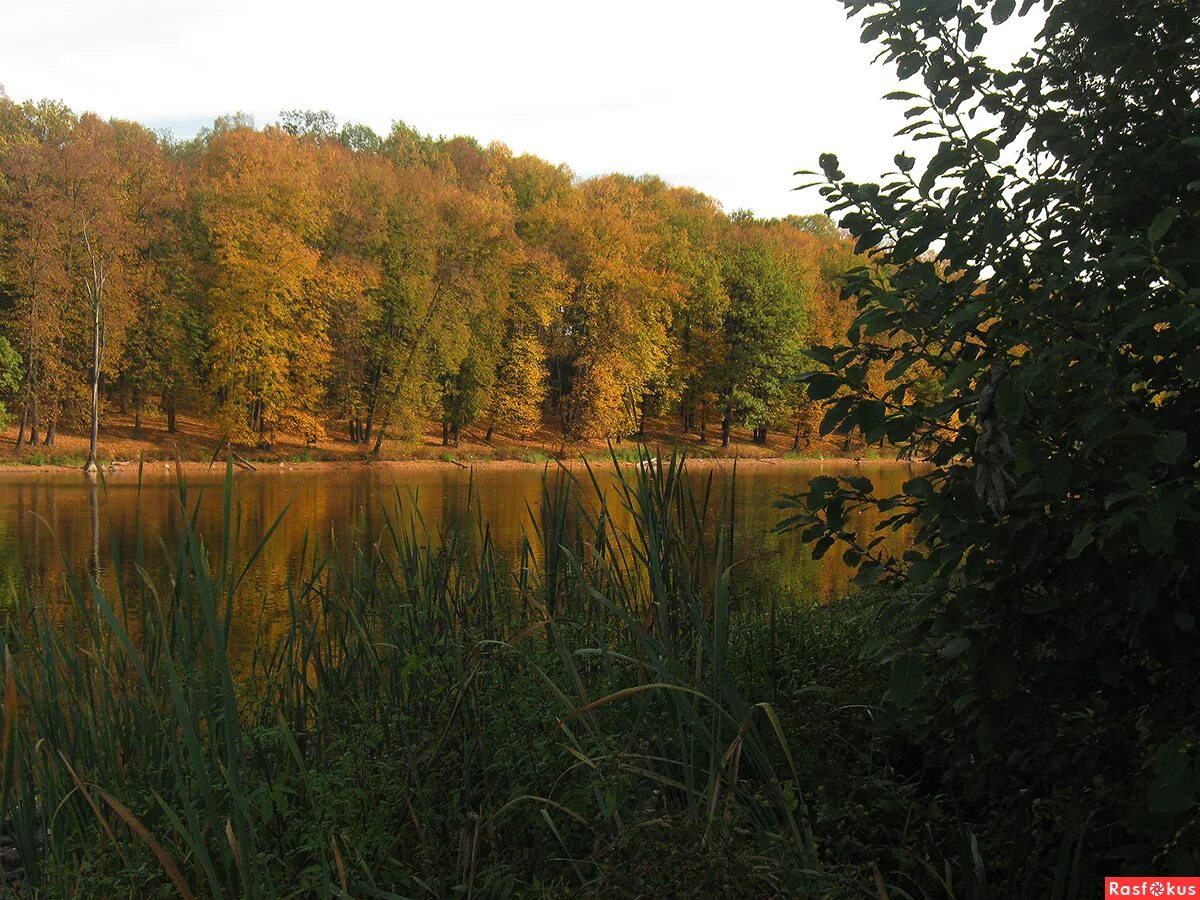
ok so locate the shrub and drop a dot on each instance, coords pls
(1043, 267)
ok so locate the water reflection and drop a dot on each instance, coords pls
(49, 522)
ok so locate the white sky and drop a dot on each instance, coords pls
(728, 98)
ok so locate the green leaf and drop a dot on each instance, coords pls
(860, 484)
(964, 701)
(821, 385)
(908, 65)
(868, 573)
(956, 647)
(1162, 224)
(988, 149)
(908, 675)
(1169, 447)
(1083, 538)
(1157, 525)
(921, 488)
(1002, 10)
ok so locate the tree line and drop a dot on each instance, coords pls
(307, 276)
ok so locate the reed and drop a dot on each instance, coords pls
(429, 719)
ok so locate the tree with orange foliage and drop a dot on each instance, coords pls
(265, 216)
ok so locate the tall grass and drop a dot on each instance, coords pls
(431, 721)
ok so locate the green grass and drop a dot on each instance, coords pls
(44, 458)
(621, 453)
(803, 455)
(608, 717)
(540, 457)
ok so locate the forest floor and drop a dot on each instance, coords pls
(197, 444)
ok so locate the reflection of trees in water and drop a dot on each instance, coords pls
(49, 522)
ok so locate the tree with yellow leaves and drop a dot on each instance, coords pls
(268, 293)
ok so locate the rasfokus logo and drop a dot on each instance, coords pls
(1151, 886)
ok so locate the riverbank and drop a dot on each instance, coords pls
(196, 448)
(170, 468)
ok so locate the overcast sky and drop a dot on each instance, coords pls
(728, 98)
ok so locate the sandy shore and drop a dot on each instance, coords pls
(160, 468)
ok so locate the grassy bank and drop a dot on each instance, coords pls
(198, 441)
(614, 716)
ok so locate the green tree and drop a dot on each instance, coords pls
(1049, 664)
(770, 283)
(11, 377)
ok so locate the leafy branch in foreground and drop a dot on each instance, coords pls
(1043, 265)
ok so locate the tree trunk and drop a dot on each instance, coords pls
(51, 432)
(369, 425)
(137, 420)
(445, 433)
(726, 425)
(21, 425)
(491, 428)
(376, 376)
(170, 416)
(93, 438)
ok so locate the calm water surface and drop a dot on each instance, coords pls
(52, 523)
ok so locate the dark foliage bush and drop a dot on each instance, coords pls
(1043, 265)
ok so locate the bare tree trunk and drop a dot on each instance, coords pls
(365, 437)
(90, 466)
(21, 425)
(96, 290)
(34, 423)
(726, 426)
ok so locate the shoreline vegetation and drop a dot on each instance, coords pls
(197, 449)
(619, 715)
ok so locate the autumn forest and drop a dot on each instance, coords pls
(323, 281)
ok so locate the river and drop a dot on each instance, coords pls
(52, 523)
